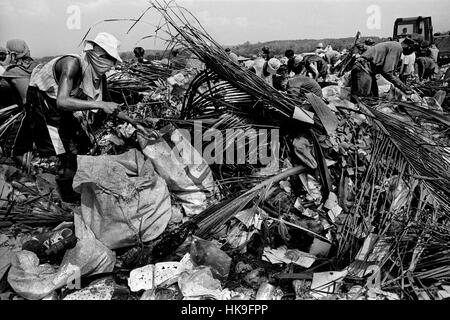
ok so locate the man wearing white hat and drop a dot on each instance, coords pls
(267, 69)
(294, 62)
(320, 49)
(61, 87)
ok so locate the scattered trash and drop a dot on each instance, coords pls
(255, 278)
(142, 278)
(242, 267)
(320, 248)
(186, 173)
(205, 253)
(324, 283)
(285, 255)
(251, 217)
(312, 186)
(50, 244)
(361, 186)
(34, 281)
(199, 283)
(304, 151)
(29, 279)
(5, 260)
(123, 200)
(162, 274)
(100, 291)
(171, 293)
(333, 206)
(265, 292)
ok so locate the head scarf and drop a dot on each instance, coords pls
(19, 47)
(94, 67)
(20, 56)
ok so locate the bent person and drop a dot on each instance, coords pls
(61, 87)
(300, 85)
(426, 68)
(383, 58)
(17, 76)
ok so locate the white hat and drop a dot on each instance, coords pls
(320, 45)
(109, 43)
(273, 65)
(297, 60)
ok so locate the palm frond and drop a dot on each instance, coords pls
(399, 154)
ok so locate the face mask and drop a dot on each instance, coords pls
(101, 64)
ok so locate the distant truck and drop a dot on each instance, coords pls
(422, 28)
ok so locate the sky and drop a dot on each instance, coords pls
(53, 27)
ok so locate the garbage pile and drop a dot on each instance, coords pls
(353, 203)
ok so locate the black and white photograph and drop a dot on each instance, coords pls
(234, 157)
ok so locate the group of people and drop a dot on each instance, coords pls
(307, 69)
(50, 94)
(395, 61)
(296, 73)
(421, 63)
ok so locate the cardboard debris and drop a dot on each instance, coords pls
(324, 283)
(102, 290)
(141, 278)
(284, 255)
(161, 274)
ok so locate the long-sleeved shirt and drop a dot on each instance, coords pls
(426, 67)
(302, 84)
(384, 58)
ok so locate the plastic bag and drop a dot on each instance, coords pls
(123, 199)
(33, 281)
(199, 283)
(186, 173)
